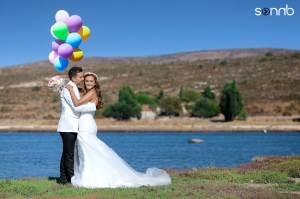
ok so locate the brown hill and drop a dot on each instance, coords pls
(268, 84)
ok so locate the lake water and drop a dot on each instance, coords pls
(38, 154)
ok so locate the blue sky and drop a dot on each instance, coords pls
(124, 28)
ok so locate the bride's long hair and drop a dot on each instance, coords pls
(97, 89)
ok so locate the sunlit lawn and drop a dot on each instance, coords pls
(264, 177)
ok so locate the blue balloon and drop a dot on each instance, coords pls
(74, 39)
(60, 63)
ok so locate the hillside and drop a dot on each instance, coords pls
(269, 85)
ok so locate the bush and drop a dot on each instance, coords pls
(126, 107)
(263, 60)
(206, 108)
(144, 99)
(35, 88)
(5, 109)
(119, 111)
(55, 99)
(189, 107)
(189, 95)
(242, 115)
(269, 54)
(208, 93)
(296, 55)
(170, 106)
(49, 116)
(223, 62)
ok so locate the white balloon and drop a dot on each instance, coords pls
(52, 56)
(62, 16)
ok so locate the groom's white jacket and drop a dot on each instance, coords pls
(69, 117)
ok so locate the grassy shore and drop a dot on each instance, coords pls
(265, 177)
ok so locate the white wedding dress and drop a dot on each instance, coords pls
(98, 166)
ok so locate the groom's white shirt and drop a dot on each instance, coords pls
(69, 117)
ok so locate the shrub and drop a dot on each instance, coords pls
(206, 108)
(35, 88)
(49, 116)
(170, 106)
(223, 62)
(296, 55)
(189, 107)
(187, 95)
(269, 54)
(200, 66)
(5, 109)
(208, 93)
(55, 99)
(119, 111)
(145, 99)
(242, 115)
(263, 60)
(126, 107)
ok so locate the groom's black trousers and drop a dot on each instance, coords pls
(67, 157)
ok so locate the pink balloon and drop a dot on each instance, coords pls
(52, 56)
(65, 50)
(51, 31)
(74, 23)
(62, 16)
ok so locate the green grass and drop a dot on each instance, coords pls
(270, 179)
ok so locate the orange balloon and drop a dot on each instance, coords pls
(77, 55)
(84, 32)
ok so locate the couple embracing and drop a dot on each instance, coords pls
(86, 161)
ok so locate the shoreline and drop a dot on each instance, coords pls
(252, 124)
(165, 128)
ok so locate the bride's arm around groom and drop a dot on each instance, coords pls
(70, 113)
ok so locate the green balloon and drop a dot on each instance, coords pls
(60, 30)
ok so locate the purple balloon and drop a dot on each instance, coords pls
(65, 50)
(74, 23)
(56, 44)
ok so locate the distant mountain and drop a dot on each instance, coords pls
(179, 57)
(269, 85)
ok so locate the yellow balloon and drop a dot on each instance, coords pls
(84, 32)
(77, 55)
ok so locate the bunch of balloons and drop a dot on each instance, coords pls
(68, 34)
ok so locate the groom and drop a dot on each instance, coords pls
(68, 123)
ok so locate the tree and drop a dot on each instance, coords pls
(170, 106)
(145, 99)
(231, 101)
(181, 93)
(159, 96)
(187, 95)
(208, 93)
(126, 107)
(206, 107)
(119, 111)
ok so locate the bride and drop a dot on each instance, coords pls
(96, 165)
